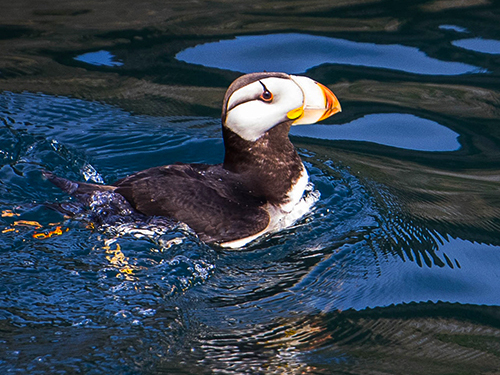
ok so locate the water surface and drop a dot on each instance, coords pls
(99, 58)
(297, 53)
(395, 271)
(479, 45)
(391, 129)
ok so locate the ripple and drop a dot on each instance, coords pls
(308, 299)
(113, 142)
(279, 52)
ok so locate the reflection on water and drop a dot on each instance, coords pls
(394, 272)
(99, 58)
(348, 255)
(458, 29)
(297, 53)
(489, 46)
(392, 129)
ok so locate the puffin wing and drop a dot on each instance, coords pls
(210, 200)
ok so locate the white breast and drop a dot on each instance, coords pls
(296, 192)
(302, 197)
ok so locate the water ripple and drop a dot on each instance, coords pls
(301, 297)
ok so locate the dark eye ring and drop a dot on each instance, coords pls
(267, 95)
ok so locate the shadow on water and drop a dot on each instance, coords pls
(394, 271)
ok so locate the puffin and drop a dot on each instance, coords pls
(261, 186)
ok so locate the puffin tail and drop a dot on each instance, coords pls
(80, 190)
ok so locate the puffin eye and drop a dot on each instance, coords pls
(266, 95)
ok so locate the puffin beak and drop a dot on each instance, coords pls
(319, 102)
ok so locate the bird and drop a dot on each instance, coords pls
(261, 186)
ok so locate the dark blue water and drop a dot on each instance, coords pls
(395, 271)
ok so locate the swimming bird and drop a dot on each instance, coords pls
(262, 185)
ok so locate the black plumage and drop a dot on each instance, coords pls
(214, 202)
(221, 203)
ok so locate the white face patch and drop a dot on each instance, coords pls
(251, 117)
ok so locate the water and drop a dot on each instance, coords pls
(396, 270)
(98, 58)
(479, 45)
(297, 53)
(391, 129)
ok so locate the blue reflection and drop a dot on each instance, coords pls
(296, 53)
(458, 29)
(99, 58)
(393, 129)
(490, 46)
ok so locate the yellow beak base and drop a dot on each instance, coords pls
(295, 113)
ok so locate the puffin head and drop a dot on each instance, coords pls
(256, 102)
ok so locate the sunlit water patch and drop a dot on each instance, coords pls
(99, 58)
(391, 129)
(489, 46)
(296, 53)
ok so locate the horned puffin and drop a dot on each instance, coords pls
(262, 185)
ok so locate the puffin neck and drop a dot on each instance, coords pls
(270, 165)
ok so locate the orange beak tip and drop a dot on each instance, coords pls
(332, 103)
